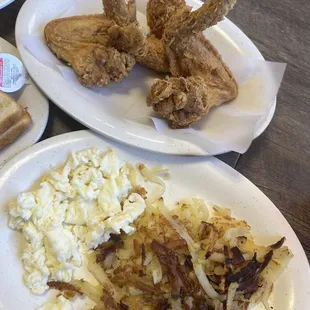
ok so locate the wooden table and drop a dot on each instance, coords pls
(278, 162)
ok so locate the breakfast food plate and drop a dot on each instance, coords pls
(4, 3)
(207, 179)
(36, 103)
(119, 110)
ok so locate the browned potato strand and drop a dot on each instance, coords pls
(185, 259)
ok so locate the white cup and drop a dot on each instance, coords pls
(12, 73)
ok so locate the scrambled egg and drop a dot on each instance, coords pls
(61, 304)
(75, 209)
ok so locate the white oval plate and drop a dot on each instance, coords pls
(4, 3)
(207, 178)
(34, 12)
(31, 98)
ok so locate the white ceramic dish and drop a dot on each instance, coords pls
(206, 178)
(37, 104)
(225, 36)
(4, 3)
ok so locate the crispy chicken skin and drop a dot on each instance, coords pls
(182, 101)
(154, 55)
(148, 51)
(158, 13)
(126, 33)
(200, 78)
(83, 42)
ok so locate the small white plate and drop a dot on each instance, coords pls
(36, 103)
(36, 13)
(207, 178)
(4, 3)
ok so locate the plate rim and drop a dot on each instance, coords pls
(38, 134)
(167, 145)
(5, 3)
(50, 144)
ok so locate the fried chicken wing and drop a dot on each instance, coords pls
(149, 52)
(126, 34)
(96, 65)
(200, 79)
(153, 55)
(83, 42)
(182, 101)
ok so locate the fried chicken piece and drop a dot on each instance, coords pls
(158, 12)
(200, 79)
(99, 66)
(79, 29)
(83, 42)
(120, 12)
(149, 52)
(126, 34)
(154, 55)
(180, 100)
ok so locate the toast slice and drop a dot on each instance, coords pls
(10, 112)
(16, 130)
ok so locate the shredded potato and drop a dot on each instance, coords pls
(92, 292)
(152, 176)
(186, 257)
(100, 275)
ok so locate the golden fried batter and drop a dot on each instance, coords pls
(83, 42)
(154, 55)
(149, 52)
(159, 12)
(200, 79)
(180, 100)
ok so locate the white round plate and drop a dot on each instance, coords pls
(31, 98)
(4, 3)
(35, 13)
(207, 178)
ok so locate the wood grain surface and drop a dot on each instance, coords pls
(278, 162)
